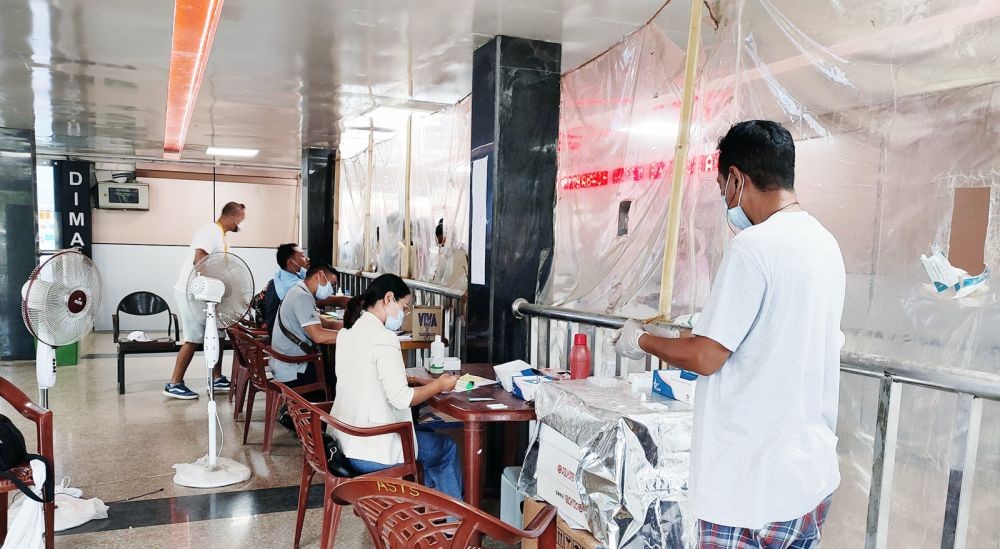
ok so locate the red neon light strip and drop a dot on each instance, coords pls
(195, 22)
(638, 173)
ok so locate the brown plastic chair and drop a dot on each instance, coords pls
(406, 515)
(253, 352)
(310, 423)
(240, 374)
(42, 419)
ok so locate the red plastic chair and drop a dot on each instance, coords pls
(254, 351)
(240, 373)
(406, 515)
(42, 419)
(311, 420)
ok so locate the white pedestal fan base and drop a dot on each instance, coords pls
(199, 475)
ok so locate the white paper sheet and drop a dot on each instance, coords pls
(477, 260)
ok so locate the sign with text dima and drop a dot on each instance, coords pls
(72, 194)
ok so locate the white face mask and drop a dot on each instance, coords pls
(394, 323)
(736, 217)
(324, 291)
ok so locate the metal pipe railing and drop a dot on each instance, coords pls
(424, 293)
(972, 388)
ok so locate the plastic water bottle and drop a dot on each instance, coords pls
(579, 358)
(437, 355)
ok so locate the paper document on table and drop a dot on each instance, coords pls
(469, 382)
(477, 248)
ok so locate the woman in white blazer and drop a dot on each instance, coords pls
(372, 388)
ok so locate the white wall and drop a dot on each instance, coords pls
(129, 268)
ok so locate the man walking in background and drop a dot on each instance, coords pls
(209, 239)
(767, 348)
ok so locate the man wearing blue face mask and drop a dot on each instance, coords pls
(767, 347)
(293, 263)
(299, 326)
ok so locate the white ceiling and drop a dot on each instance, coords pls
(91, 77)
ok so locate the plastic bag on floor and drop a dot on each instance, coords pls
(27, 530)
(72, 509)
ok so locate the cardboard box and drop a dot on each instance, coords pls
(566, 536)
(424, 323)
(556, 473)
(675, 384)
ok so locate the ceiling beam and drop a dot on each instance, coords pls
(195, 22)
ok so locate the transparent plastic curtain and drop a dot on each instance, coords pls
(388, 206)
(617, 131)
(893, 108)
(439, 192)
(352, 207)
(619, 117)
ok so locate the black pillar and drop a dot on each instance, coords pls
(318, 172)
(72, 200)
(18, 237)
(515, 122)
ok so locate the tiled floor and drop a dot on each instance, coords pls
(123, 446)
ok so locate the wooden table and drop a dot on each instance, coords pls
(473, 415)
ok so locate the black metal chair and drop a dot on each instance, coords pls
(143, 304)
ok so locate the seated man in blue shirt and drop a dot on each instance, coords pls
(293, 264)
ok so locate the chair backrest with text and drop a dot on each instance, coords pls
(403, 515)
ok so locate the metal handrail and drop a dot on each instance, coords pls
(905, 371)
(412, 284)
(892, 373)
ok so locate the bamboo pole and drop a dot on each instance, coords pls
(680, 165)
(368, 199)
(406, 222)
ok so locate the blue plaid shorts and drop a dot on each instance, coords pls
(801, 533)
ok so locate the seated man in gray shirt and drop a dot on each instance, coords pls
(299, 326)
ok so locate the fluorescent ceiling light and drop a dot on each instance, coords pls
(225, 151)
(389, 118)
(13, 154)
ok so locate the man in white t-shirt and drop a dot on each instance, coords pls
(209, 239)
(767, 345)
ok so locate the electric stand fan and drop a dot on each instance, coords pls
(58, 305)
(224, 283)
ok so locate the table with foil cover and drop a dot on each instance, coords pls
(633, 477)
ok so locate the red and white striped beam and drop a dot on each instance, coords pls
(195, 22)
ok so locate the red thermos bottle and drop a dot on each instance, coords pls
(579, 358)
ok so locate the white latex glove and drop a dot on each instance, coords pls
(626, 340)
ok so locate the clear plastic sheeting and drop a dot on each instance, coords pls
(633, 472)
(893, 108)
(619, 117)
(439, 193)
(387, 251)
(352, 205)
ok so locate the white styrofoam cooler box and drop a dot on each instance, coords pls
(556, 474)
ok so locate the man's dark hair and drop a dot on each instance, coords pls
(232, 208)
(325, 267)
(439, 230)
(761, 149)
(285, 252)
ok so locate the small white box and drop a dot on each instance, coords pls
(505, 373)
(675, 384)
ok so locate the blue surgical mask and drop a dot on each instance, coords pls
(324, 291)
(302, 273)
(394, 323)
(736, 217)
